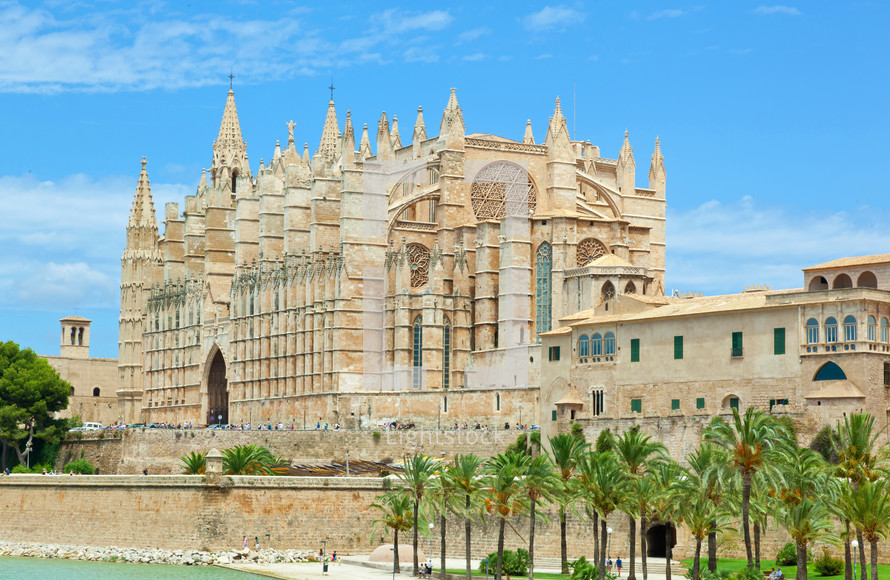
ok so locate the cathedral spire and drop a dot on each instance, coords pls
(229, 149)
(558, 121)
(419, 128)
(384, 142)
(364, 147)
(142, 227)
(528, 138)
(329, 145)
(348, 142)
(626, 167)
(451, 115)
(657, 174)
(395, 138)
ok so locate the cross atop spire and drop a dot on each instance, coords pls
(231, 80)
(332, 88)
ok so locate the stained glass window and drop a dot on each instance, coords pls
(502, 189)
(446, 353)
(418, 351)
(543, 286)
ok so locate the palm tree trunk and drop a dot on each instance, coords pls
(697, 561)
(395, 552)
(603, 555)
(467, 527)
(712, 548)
(416, 509)
(801, 561)
(746, 506)
(757, 545)
(501, 526)
(632, 567)
(848, 557)
(874, 559)
(668, 548)
(597, 556)
(644, 527)
(442, 547)
(863, 573)
(531, 543)
(563, 551)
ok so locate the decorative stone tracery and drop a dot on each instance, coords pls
(503, 189)
(419, 261)
(589, 250)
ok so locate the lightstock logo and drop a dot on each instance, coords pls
(416, 438)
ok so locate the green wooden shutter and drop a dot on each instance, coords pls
(734, 403)
(635, 350)
(678, 347)
(778, 341)
(553, 415)
(737, 344)
(636, 405)
(675, 404)
(700, 403)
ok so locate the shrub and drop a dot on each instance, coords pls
(80, 466)
(787, 556)
(719, 574)
(376, 435)
(828, 565)
(747, 574)
(577, 430)
(20, 469)
(519, 446)
(605, 441)
(515, 563)
(821, 444)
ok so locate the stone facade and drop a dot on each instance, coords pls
(325, 285)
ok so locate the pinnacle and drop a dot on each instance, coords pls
(329, 145)
(529, 138)
(142, 213)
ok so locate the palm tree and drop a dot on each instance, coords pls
(465, 475)
(505, 495)
(539, 483)
(667, 475)
(443, 495)
(807, 521)
(603, 486)
(868, 507)
(710, 464)
(699, 516)
(415, 477)
(395, 515)
(748, 439)
(565, 449)
(194, 463)
(635, 450)
(248, 460)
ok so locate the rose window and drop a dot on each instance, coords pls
(419, 262)
(589, 250)
(503, 189)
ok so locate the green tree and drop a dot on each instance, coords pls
(505, 495)
(416, 478)
(466, 476)
(699, 517)
(868, 508)
(31, 392)
(806, 522)
(710, 465)
(247, 460)
(667, 475)
(540, 483)
(194, 463)
(635, 450)
(749, 440)
(443, 497)
(565, 451)
(602, 484)
(396, 515)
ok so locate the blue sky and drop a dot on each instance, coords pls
(773, 119)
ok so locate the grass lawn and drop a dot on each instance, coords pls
(788, 571)
(541, 575)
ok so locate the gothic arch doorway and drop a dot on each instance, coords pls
(217, 390)
(657, 537)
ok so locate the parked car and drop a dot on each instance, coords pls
(92, 426)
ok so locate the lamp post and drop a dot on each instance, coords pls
(485, 561)
(854, 544)
(609, 544)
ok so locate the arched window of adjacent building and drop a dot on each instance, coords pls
(608, 292)
(867, 280)
(596, 344)
(446, 353)
(502, 189)
(818, 283)
(872, 328)
(631, 288)
(583, 346)
(589, 250)
(96, 392)
(842, 281)
(80, 336)
(831, 329)
(543, 287)
(73, 335)
(849, 329)
(812, 331)
(885, 331)
(419, 262)
(830, 371)
(609, 344)
(417, 357)
(72, 391)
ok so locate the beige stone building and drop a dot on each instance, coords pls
(815, 354)
(407, 282)
(93, 380)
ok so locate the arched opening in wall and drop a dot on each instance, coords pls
(630, 288)
(589, 250)
(657, 539)
(730, 402)
(96, 392)
(830, 371)
(867, 280)
(80, 336)
(234, 181)
(608, 292)
(217, 390)
(73, 334)
(842, 281)
(818, 283)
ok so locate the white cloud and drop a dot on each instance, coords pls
(667, 13)
(471, 35)
(395, 21)
(777, 9)
(66, 285)
(475, 57)
(721, 248)
(553, 17)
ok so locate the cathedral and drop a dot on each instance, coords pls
(372, 282)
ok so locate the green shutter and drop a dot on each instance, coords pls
(734, 403)
(553, 415)
(635, 350)
(675, 404)
(678, 348)
(778, 341)
(636, 405)
(737, 344)
(700, 403)
(553, 353)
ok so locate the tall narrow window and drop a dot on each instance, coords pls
(778, 341)
(234, 181)
(597, 400)
(849, 329)
(737, 349)
(446, 353)
(678, 347)
(543, 287)
(583, 346)
(885, 330)
(596, 344)
(635, 350)
(831, 329)
(812, 331)
(418, 351)
(80, 336)
(609, 344)
(872, 328)
(73, 335)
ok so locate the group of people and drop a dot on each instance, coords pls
(776, 574)
(617, 564)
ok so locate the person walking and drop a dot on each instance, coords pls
(257, 543)
(618, 565)
(245, 542)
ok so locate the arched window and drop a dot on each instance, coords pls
(609, 344)
(872, 328)
(96, 392)
(885, 330)
(867, 280)
(812, 331)
(234, 181)
(446, 353)
(418, 352)
(543, 287)
(73, 335)
(830, 372)
(818, 283)
(80, 336)
(830, 329)
(596, 342)
(583, 346)
(589, 250)
(631, 288)
(842, 281)
(419, 261)
(849, 329)
(502, 189)
(608, 291)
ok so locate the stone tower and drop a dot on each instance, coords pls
(75, 337)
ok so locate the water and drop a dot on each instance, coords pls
(53, 569)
